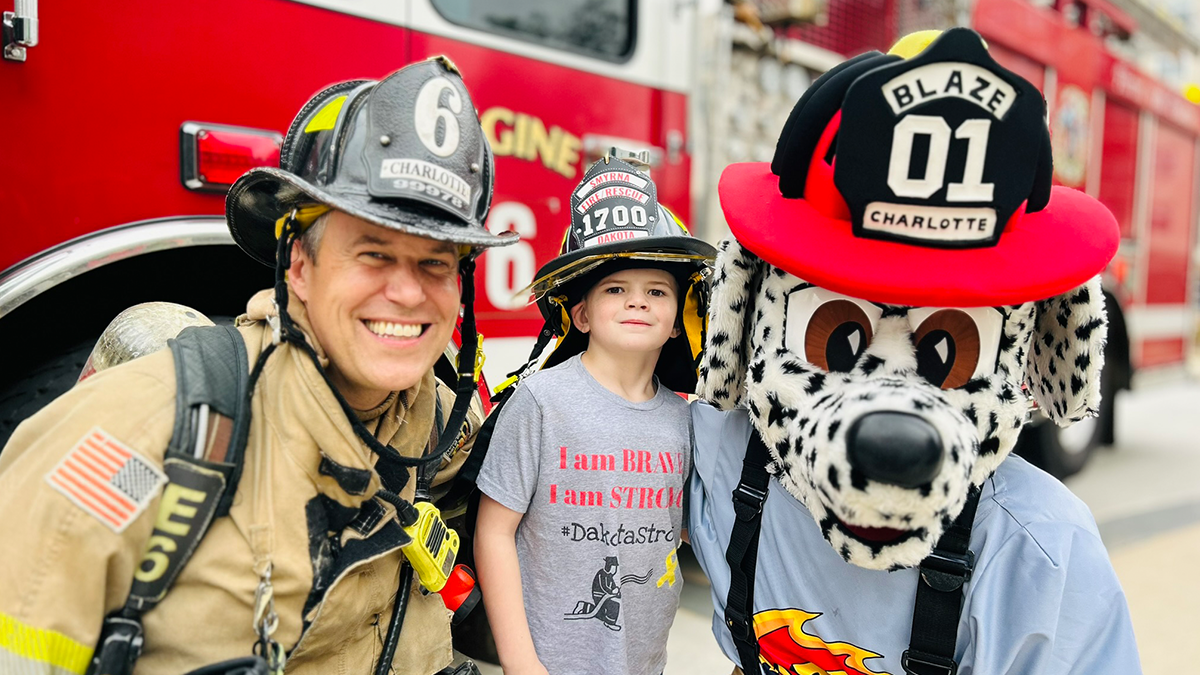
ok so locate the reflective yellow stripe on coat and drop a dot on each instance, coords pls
(25, 649)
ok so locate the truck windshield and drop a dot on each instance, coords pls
(600, 28)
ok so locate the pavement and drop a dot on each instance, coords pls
(1145, 495)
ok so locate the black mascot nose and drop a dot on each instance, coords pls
(895, 448)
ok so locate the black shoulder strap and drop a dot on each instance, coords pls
(462, 489)
(742, 554)
(203, 463)
(940, 596)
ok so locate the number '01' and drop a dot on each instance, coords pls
(971, 189)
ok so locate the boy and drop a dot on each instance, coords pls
(582, 487)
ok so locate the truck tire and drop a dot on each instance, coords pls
(40, 385)
(1064, 452)
(46, 381)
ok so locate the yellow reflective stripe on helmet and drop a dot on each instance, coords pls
(305, 215)
(682, 226)
(24, 648)
(326, 117)
(694, 322)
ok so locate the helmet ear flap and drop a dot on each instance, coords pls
(736, 279)
(1039, 195)
(811, 114)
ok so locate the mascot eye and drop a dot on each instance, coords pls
(947, 348)
(828, 329)
(836, 336)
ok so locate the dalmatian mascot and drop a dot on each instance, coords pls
(901, 280)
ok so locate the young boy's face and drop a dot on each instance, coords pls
(629, 311)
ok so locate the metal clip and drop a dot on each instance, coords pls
(266, 620)
(275, 324)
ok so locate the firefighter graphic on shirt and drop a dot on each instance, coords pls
(606, 595)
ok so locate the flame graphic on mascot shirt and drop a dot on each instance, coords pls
(787, 649)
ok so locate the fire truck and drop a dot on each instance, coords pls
(1131, 142)
(124, 129)
(125, 125)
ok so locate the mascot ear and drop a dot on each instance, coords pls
(723, 367)
(1067, 353)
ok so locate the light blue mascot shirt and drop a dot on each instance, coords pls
(1043, 597)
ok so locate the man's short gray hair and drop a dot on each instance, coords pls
(310, 239)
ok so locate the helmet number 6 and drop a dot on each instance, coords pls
(428, 112)
(971, 189)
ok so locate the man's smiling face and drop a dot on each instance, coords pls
(381, 303)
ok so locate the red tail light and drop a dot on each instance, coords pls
(212, 156)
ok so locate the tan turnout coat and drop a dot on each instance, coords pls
(63, 569)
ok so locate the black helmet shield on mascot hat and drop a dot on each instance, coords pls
(920, 181)
(405, 153)
(617, 223)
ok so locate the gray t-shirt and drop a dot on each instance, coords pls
(600, 481)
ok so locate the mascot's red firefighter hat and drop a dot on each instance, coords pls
(920, 181)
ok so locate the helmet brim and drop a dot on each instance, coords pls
(1039, 255)
(263, 195)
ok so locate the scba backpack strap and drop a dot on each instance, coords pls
(939, 592)
(203, 463)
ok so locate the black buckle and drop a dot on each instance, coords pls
(739, 626)
(944, 571)
(120, 646)
(748, 501)
(948, 666)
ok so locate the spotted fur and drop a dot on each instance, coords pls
(804, 413)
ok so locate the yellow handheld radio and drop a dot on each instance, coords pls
(432, 547)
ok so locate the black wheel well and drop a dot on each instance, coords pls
(1117, 354)
(216, 280)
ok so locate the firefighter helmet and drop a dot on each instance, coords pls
(406, 153)
(617, 223)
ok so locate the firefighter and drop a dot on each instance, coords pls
(375, 216)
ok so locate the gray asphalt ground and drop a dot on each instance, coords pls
(1145, 494)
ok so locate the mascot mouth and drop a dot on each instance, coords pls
(876, 536)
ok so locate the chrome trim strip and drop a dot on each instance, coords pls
(32, 276)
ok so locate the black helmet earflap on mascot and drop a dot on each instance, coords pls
(617, 223)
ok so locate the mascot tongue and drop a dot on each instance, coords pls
(874, 533)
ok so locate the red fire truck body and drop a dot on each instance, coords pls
(1127, 140)
(124, 127)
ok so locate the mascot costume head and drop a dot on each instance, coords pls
(901, 279)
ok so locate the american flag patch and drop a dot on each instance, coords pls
(107, 478)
